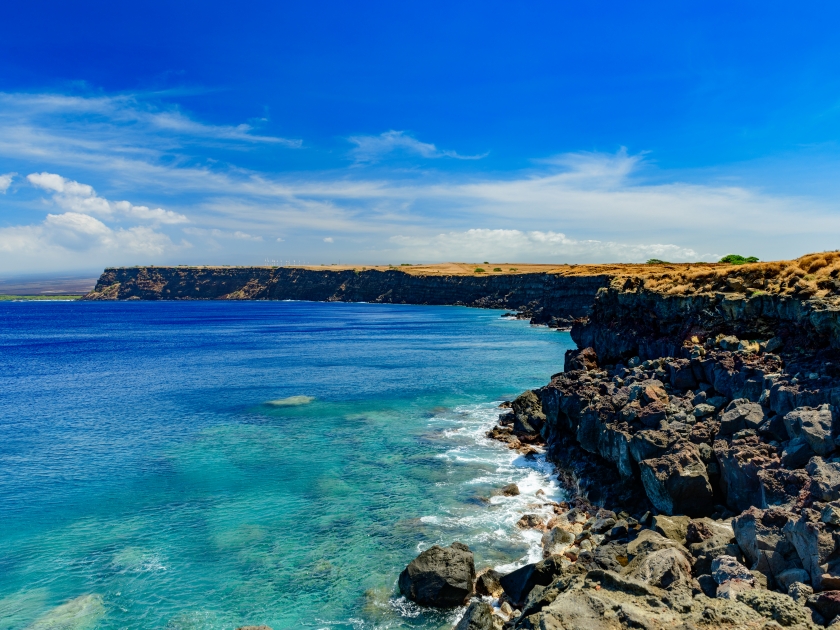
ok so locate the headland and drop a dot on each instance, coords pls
(546, 294)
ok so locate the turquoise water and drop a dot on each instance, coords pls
(144, 477)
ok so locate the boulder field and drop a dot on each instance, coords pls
(697, 434)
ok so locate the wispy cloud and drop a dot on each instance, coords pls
(134, 114)
(516, 245)
(223, 234)
(6, 181)
(82, 198)
(374, 148)
(578, 206)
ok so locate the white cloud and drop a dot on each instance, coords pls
(571, 207)
(329, 239)
(81, 198)
(516, 245)
(73, 232)
(6, 181)
(224, 234)
(374, 148)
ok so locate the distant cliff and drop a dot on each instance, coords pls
(546, 297)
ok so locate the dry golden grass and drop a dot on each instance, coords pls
(815, 275)
(811, 275)
(468, 269)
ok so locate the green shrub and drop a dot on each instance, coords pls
(405, 264)
(513, 269)
(479, 270)
(656, 261)
(737, 259)
(497, 268)
(486, 263)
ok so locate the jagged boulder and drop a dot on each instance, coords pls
(650, 444)
(681, 374)
(827, 604)
(479, 616)
(797, 453)
(708, 540)
(440, 576)
(556, 540)
(780, 487)
(673, 527)
(667, 569)
(814, 426)
(762, 536)
(725, 568)
(825, 479)
(677, 482)
(487, 583)
(585, 359)
(815, 544)
(518, 584)
(741, 414)
(740, 462)
(528, 415)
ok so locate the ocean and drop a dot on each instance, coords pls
(206, 465)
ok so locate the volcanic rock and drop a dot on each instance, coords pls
(440, 576)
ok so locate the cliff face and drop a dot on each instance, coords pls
(543, 296)
(630, 320)
(658, 315)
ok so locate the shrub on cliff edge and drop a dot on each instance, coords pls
(735, 259)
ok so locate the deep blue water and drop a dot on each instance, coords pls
(145, 479)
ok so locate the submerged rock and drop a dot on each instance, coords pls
(82, 613)
(440, 576)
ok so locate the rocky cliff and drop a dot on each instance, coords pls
(546, 297)
(666, 314)
(702, 411)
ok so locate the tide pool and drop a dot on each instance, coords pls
(206, 465)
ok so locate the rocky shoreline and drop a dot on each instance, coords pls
(696, 432)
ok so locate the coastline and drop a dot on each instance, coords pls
(702, 466)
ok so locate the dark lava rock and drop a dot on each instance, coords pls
(826, 603)
(585, 359)
(487, 583)
(440, 576)
(530, 521)
(510, 490)
(519, 583)
(479, 616)
(528, 414)
(677, 483)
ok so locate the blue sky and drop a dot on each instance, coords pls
(187, 132)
